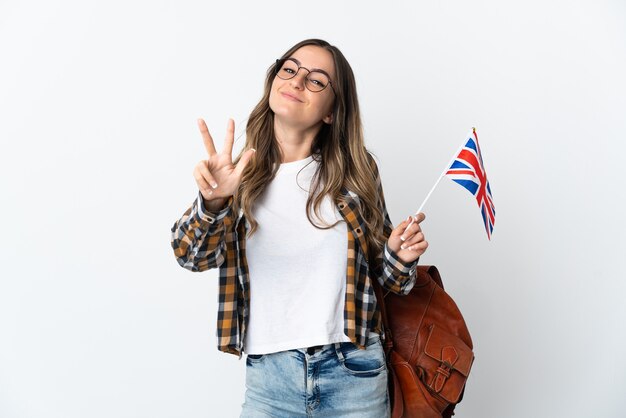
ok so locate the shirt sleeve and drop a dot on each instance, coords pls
(400, 276)
(197, 238)
(392, 273)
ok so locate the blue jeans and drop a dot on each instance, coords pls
(338, 380)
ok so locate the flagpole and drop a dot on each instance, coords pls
(443, 173)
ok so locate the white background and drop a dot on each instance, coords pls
(98, 102)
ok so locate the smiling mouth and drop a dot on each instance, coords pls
(290, 97)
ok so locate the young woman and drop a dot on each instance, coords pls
(298, 227)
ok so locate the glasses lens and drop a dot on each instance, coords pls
(288, 69)
(316, 81)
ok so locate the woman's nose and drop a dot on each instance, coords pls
(299, 80)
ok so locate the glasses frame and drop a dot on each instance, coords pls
(279, 63)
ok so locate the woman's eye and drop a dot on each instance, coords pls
(317, 82)
(288, 70)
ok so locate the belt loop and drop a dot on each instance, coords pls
(339, 352)
(313, 349)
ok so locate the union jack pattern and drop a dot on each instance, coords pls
(468, 170)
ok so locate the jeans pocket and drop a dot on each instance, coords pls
(254, 358)
(363, 362)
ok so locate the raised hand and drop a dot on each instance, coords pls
(217, 177)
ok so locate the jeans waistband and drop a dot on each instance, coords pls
(317, 348)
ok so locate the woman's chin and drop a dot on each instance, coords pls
(288, 117)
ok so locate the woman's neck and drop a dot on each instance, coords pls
(295, 143)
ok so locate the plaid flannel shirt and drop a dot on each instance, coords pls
(204, 240)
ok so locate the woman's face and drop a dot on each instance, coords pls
(295, 105)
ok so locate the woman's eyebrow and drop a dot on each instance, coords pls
(322, 71)
(311, 69)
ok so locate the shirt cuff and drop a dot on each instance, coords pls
(405, 269)
(208, 216)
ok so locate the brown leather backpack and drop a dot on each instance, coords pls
(427, 346)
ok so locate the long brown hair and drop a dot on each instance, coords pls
(339, 148)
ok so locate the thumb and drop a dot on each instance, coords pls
(244, 160)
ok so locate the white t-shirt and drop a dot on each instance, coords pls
(297, 272)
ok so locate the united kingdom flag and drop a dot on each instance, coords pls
(468, 170)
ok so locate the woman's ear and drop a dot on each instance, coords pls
(328, 119)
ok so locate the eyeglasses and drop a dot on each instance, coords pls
(315, 81)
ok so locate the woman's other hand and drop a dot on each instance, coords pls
(408, 243)
(217, 177)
